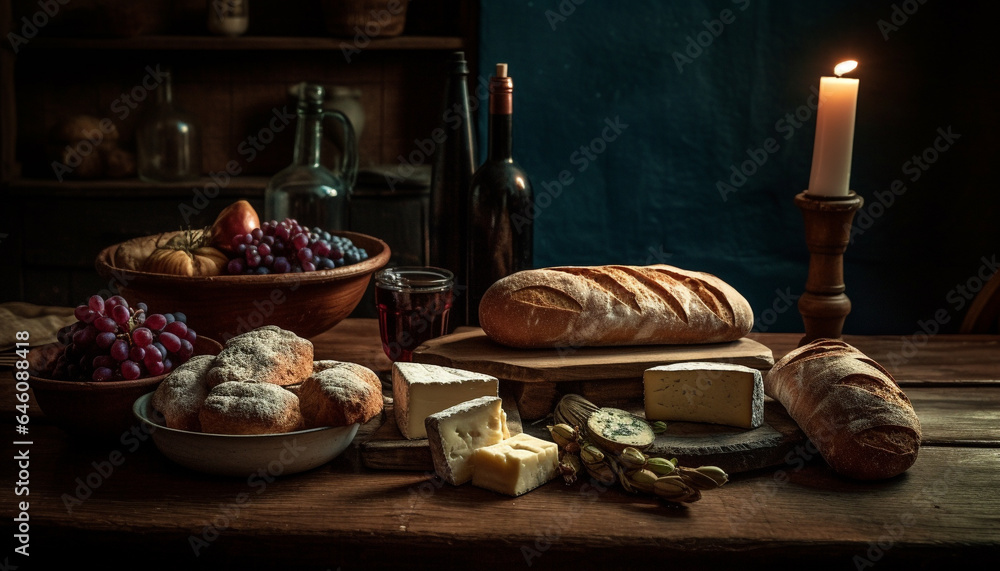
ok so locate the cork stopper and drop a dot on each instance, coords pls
(501, 70)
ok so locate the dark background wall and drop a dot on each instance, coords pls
(651, 195)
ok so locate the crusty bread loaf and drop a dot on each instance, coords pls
(267, 354)
(250, 408)
(850, 408)
(180, 396)
(340, 394)
(613, 305)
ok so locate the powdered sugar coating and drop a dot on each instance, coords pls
(180, 396)
(250, 408)
(268, 354)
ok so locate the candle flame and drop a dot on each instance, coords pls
(845, 67)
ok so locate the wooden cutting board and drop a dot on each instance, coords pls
(605, 375)
(388, 450)
(733, 449)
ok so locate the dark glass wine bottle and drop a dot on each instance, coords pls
(500, 212)
(451, 176)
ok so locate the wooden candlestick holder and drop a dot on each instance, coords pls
(823, 305)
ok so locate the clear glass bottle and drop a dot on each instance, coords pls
(168, 141)
(306, 190)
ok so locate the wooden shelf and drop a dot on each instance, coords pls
(248, 43)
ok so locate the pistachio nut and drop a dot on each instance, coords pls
(674, 489)
(660, 466)
(715, 473)
(659, 427)
(642, 479)
(563, 434)
(632, 459)
(591, 454)
(696, 479)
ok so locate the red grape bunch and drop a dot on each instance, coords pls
(114, 342)
(287, 246)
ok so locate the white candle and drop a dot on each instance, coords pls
(831, 164)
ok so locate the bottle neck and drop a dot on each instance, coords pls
(500, 141)
(501, 115)
(308, 137)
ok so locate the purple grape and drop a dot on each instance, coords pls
(281, 232)
(300, 241)
(96, 303)
(308, 267)
(152, 355)
(156, 322)
(119, 350)
(281, 265)
(103, 361)
(130, 370)
(236, 266)
(121, 314)
(106, 324)
(85, 337)
(136, 354)
(82, 311)
(114, 300)
(191, 336)
(168, 365)
(237, 241)
(253, 259)
(178, 328)
(257, 233)
(268, 240)
(102, 374)
(155, 368)
(142, 336)
(143, 307)
(105, 339)
(179, 316)
(187, 350)
(170, 341)
(321, 249)
(263, 250)
(305, 255)
(160, 348)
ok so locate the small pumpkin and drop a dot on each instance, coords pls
(132, 254)
(186, 254)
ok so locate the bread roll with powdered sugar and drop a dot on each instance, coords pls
(613, 305)
(850, 408)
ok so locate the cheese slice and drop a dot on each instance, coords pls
(419, 391)
(718, 393)
(456, 432)
(515, 466)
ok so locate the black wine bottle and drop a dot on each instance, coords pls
(451, 175)
(500, 213)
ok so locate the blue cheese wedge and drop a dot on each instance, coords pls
(515, 466)
(419, 391)
(716, 393)
(456, 432)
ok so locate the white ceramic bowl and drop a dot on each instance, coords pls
(244, 455)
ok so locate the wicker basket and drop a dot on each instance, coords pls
(368, 18)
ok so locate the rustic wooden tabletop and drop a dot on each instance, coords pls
(144, 512)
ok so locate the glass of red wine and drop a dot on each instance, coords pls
(413, 305)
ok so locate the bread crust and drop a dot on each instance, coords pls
(572, 306)
(340, 394)
(849, 406)
(265, 355)
(250, 408)
(180, 396)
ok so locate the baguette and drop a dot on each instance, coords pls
(850, 408)
(612, 305)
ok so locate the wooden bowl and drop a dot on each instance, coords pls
(222, 307)
(101, 410)
(244, 454)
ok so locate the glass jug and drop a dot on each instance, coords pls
(306, 190)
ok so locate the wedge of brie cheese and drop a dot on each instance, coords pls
(419, 391)
(456, 432)
(718, 393)
(515, 466)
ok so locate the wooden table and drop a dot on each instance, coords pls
(150, 513)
